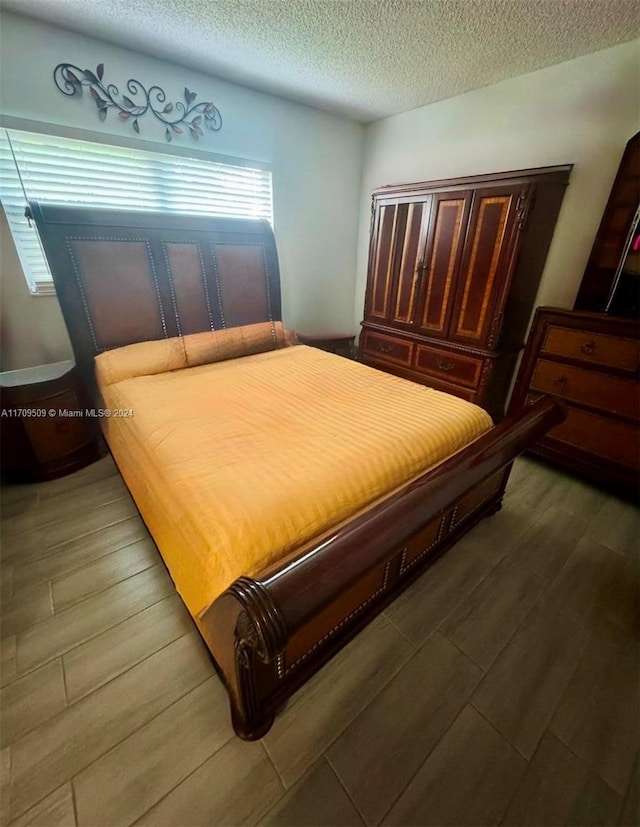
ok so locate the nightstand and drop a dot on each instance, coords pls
(44, 430)
(342, 344)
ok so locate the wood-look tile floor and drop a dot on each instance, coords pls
(501, 688)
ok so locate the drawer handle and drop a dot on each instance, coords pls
(384, 348)
(588, 347)
(446, 366)
(560, 382)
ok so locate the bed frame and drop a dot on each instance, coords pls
(124, 277)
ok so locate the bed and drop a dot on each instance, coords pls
(292, 493)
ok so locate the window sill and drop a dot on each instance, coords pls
(44, 288)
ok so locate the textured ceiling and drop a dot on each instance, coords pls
(363, 58)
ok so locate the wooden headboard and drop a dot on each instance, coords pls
(124, 276)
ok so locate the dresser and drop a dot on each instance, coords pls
(591, 361)
(454, 267)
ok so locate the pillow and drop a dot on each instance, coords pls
(233, 342)
(141, 359)
(148, 358)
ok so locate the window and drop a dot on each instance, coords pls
(44, 168)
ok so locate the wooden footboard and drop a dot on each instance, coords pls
(268, 634)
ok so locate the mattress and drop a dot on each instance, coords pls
(236, 463)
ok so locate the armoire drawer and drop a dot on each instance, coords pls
(450, 367)
(589, 387)
(387, 348)
(596, 349)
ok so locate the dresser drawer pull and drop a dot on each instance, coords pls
(443, 365)
(588, 347)
(384, 348)
(560, 382)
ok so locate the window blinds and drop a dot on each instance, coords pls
(45, 168)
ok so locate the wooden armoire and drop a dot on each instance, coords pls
(454, 268)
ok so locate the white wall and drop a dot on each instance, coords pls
(316, 160)
(581, 112)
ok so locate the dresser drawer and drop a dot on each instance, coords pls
(383, 347)
(606, 438)
(595, 348)
(450, 367)
(589, 387)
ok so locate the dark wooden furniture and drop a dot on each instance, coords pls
(454, 268)
(613, 236)
(342, 344)
(270, 632)
(591, 361)
(125, 277)
(45, 432)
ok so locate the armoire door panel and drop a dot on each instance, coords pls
(443, 251)
(411, 227)
(487, 252)
(382, 264)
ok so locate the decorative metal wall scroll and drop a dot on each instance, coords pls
(70, 80)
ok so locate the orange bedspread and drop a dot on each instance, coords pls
(234, 464)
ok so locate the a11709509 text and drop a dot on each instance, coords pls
(66, 413)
